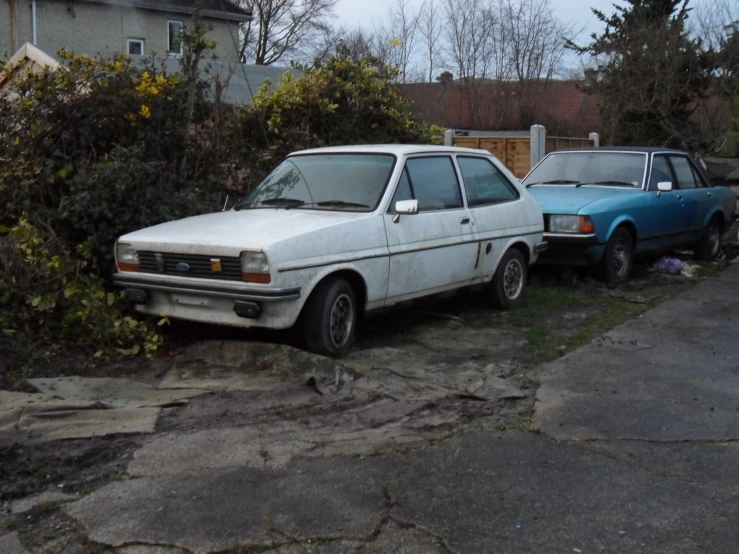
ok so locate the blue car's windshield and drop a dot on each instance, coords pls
(352, 182)
(590, 168)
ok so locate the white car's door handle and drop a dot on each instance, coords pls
(464, 220)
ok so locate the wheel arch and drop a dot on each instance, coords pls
(523, 248)
(626, 223)
(716, 212)
(355, 279)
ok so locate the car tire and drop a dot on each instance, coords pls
(508, 287)
(330, 318)
(710, 244)
(618, 259)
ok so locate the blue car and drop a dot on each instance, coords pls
(604, 206)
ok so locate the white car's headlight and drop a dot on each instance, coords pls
(254, 267)
(571, 224)
(126, 257)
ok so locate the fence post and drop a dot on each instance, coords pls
(449, 137)
(538, 143)
(595, 137)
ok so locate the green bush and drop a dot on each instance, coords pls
(123, 193)
(339, 102)
(47, 291)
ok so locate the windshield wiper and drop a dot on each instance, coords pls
(279, 202)
(340, 203)
(556, 182)
(616, 183)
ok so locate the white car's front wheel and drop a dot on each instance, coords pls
(509, 282)
(330, 318)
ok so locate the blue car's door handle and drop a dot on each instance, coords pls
(679, 196)
(708, 194)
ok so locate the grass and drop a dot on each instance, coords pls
(704, 272)
(549, 335)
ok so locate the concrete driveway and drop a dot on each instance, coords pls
(632, 446)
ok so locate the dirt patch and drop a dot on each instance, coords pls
(70, 466)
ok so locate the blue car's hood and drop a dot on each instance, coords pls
(566, 199)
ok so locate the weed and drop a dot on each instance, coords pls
(46, 473)
(501, 426)
(704, 272)
(264, 453)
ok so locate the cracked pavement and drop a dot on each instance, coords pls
(633, 446)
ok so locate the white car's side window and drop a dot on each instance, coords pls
(484, 183)
(432, 181)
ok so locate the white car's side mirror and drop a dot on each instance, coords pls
(407, 207)
(664, 186)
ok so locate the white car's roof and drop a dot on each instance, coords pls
(397, 149)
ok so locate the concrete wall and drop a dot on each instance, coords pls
(104, 29)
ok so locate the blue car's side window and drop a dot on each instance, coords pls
(661, 172)
(683, 172)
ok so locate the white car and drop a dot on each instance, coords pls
(334, 233)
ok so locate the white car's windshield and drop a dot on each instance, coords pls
(353, 182)
(590, 168)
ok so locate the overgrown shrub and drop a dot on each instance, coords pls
(48, 292)
(339, 102)
(123, 193)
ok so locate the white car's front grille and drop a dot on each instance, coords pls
(188, 265)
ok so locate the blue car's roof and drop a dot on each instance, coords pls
(640, 149)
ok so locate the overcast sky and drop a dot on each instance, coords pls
(354, 13)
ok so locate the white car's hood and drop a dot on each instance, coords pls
(251, 229)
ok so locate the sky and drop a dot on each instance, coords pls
(353, 13)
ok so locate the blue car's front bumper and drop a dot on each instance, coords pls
(577, 250)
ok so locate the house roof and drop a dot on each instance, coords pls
(562, 106)
(217, 9)
(28, 57)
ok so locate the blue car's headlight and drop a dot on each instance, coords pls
(571, 224)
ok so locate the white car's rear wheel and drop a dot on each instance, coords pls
(509, 282)
(330, 318)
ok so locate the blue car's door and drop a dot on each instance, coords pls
(665, 222)
(695, 198)
(698, 198)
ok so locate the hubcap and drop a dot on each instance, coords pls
(513, 279)
(342, 320)
(620, 258)
(714, 239)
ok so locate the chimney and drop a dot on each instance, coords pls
(13, 26)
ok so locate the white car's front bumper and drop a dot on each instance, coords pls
(207, 300)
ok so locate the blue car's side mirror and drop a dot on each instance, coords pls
(664, 186)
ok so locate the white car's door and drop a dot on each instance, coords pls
(496, 207)
(435, 249)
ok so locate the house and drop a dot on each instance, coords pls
(134, 27)
(239, 82)
(564, 107)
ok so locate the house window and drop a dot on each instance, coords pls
(174, 29)
(135, 47)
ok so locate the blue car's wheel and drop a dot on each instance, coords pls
(710, 245)
(618, 258)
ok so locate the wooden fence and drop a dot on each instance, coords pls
(514, 152)
(521, 153)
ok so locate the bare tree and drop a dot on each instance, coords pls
(716, 24)
(404, 28)
(282, 27)
(536, 46)
(431, 28)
